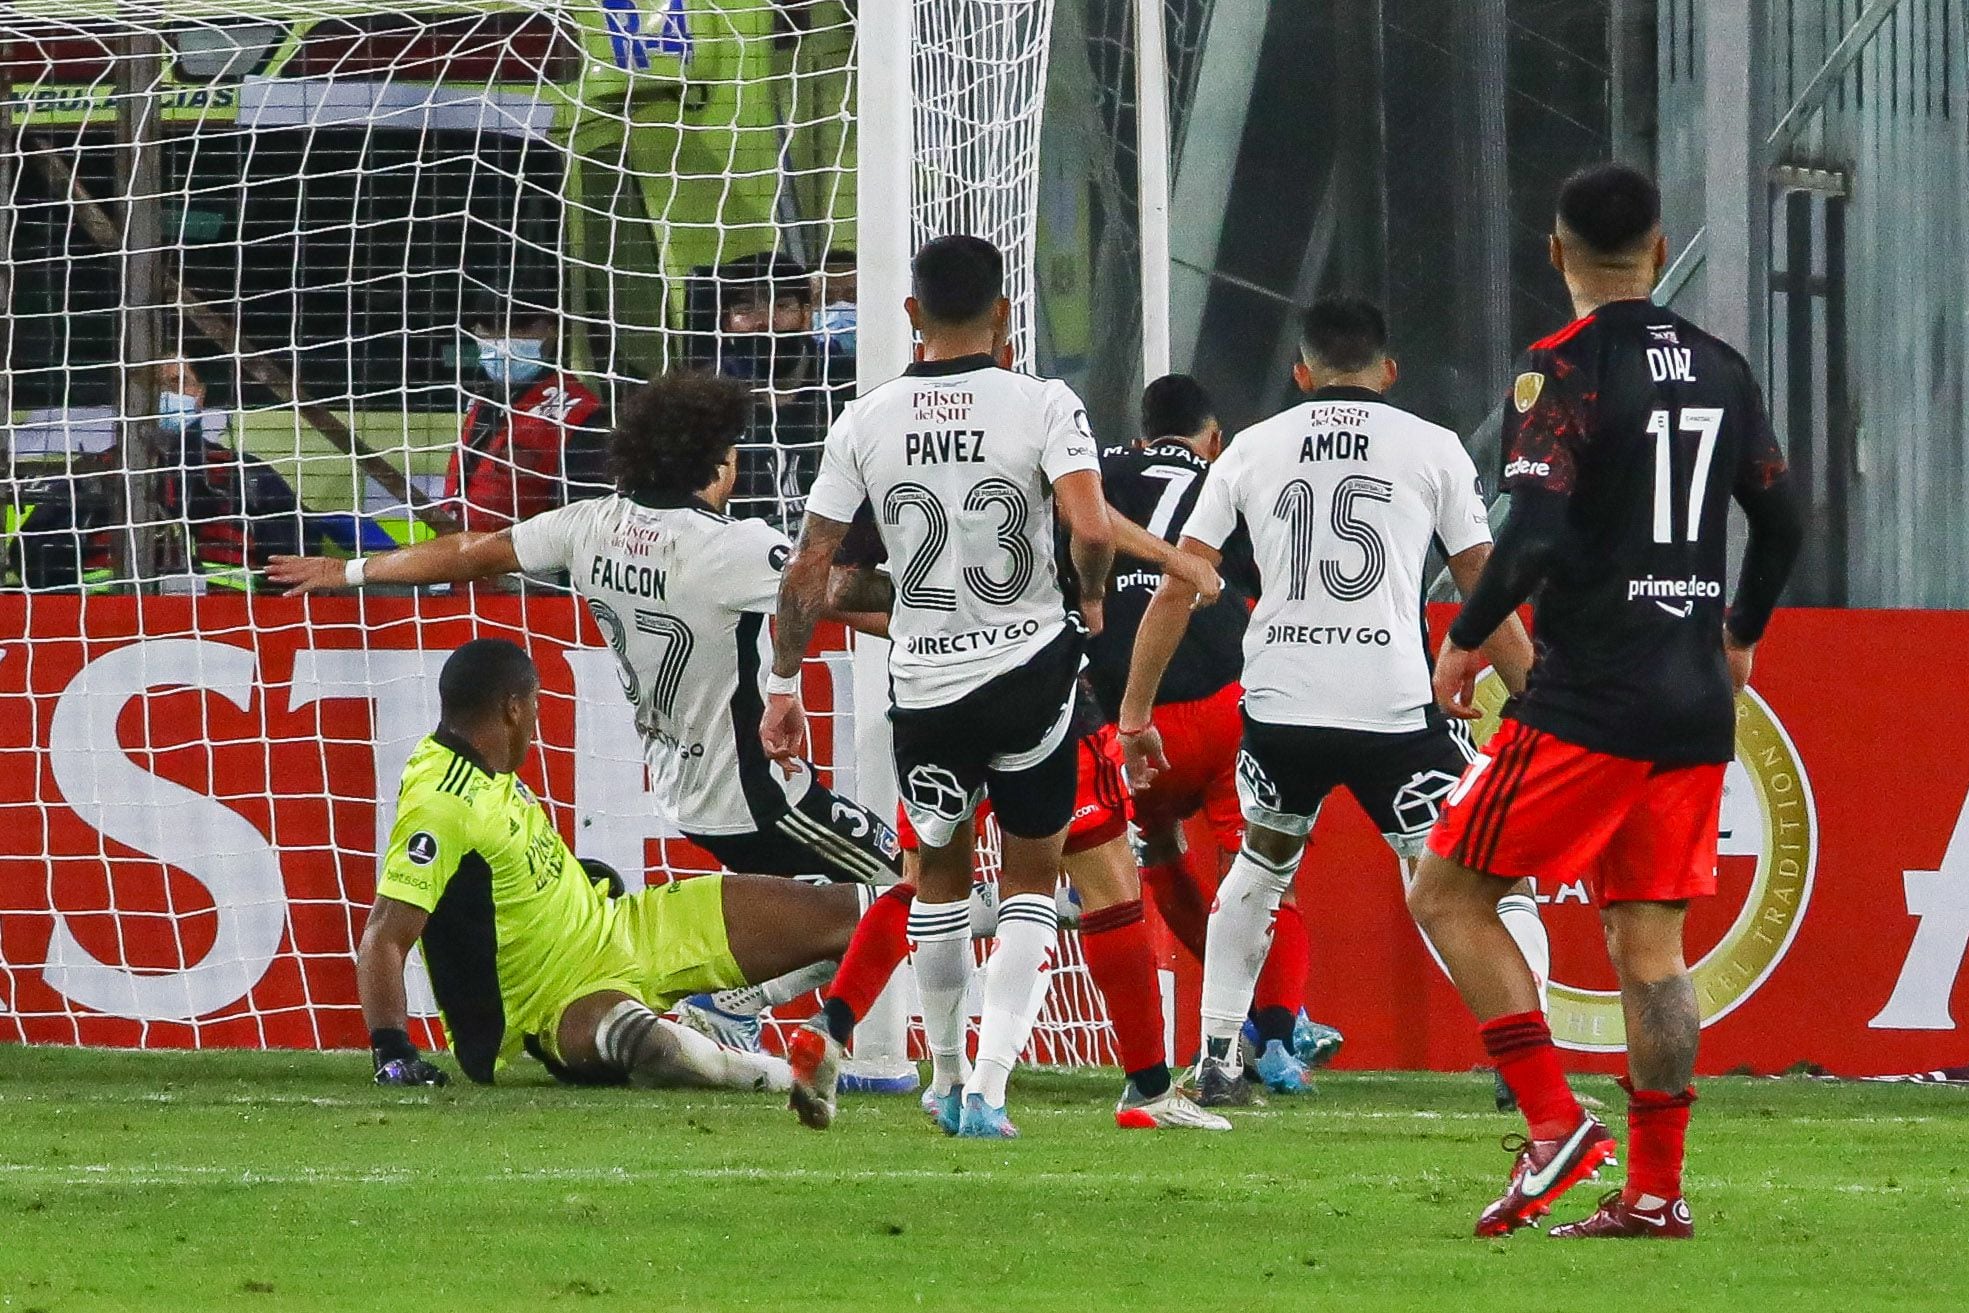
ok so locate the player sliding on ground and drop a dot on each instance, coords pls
(1152, 486)
(524, 951)
(1342, 497)
(966, 464)
(681, 593)
(1626, 435)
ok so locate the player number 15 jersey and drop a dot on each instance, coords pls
(958, 459)
(1342, 497)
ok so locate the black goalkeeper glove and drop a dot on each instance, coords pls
(397, 1061)
(600, 872)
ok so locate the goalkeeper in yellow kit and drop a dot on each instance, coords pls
(524, 950)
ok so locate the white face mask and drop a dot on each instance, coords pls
(178, 412)
(513, 361)
(834, 326)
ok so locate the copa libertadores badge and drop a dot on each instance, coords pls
(1524, 393)
(1768, 816)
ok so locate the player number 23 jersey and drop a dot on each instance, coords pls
(958, 459)
(1342, 497)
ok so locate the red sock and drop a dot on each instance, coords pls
(1282, 981)
(1115, 941)
(1657, 1128)
(879, 944)
(1181, 902)
(1521, 1046)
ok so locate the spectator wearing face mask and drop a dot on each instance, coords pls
(531, 433)
(234, 510)
(834, 315)
(767, 336)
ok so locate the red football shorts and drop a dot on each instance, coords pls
(1200, 739)
(1100, 804)
(1535, 805)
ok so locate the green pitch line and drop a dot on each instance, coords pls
(225, 1181)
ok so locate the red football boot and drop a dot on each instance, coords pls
(1544, 1170)
(815, 1057)
(1616, 1219)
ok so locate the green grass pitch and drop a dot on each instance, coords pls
(257, 1181)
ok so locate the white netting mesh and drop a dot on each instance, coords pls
(262, 264)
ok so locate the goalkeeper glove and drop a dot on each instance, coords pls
(600, 872)
(397, 1061)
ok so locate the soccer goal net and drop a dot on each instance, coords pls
(336, 276)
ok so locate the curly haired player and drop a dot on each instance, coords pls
(681, 593)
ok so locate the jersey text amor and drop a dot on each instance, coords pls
(1342, 497)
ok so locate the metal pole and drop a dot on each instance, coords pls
(1735, 177)
(1632, 43)
(1226, 72)
(1152, 182)
(9, 145)
(138, 63)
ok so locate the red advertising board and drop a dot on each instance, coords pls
(191, 790)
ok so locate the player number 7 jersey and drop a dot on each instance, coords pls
(958, 459)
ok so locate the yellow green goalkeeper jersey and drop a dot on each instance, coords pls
(516, 930)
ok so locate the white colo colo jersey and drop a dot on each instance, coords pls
(1342, 497)
(681, 594)
(958, 458)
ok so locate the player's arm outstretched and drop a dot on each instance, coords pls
(1131, 539)
(1156, 639)
(453, 559)
(393, 929)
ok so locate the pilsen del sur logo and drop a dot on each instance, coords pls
(1768, 814)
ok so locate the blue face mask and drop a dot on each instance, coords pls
(179, 412)
(512, 361)
(834, 327)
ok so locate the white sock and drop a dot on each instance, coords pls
(1028, 931)
(1519, 912)
(1239, 936)
(751, 1000)
(942, 935)
(712, 1064)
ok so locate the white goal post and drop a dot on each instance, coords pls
(258, 261)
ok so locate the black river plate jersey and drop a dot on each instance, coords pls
(1156, 485)
(1647, 425)
(959, 458)
(681, 594)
